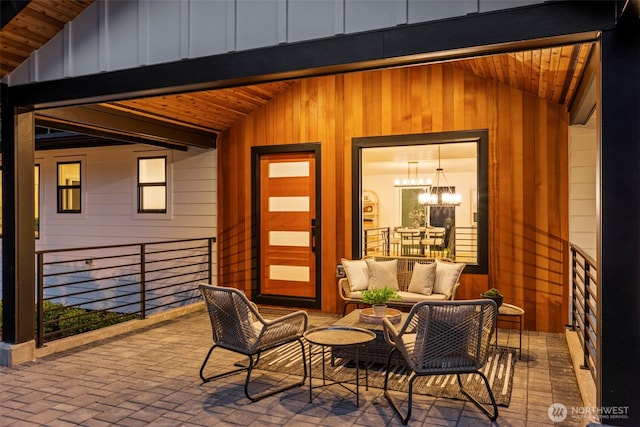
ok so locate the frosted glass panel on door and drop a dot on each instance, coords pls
(289, 273)
(288, 169)
(289, 238)
(289, 204)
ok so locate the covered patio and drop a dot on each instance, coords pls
(150, 376)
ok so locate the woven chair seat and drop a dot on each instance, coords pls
(443, 337)
(237, 325)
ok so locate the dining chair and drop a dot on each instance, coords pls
(443, 337)
(409, 241)
(238, 326)
(433, 238)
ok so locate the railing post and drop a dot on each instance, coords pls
(366, 242)
(574, 265)
(587, 311)
(143, 292)
(210, 254)
(40, 301)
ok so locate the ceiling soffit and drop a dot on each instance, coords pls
(553, 74)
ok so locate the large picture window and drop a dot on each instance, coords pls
(152, 185)
(432, 196)
(69, 187)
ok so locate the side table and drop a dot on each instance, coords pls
(512, 314)
(339, 336)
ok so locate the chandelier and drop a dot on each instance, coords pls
(440, 194)
(412, 179)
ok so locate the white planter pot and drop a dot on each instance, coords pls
(379, 310)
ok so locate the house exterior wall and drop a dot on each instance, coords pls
(109, 198)
(528, 146)
(582, 186)
(136, 33)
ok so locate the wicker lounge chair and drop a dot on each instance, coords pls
(238, 326)
(443, 337)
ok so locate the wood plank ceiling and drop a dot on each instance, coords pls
(552, 73)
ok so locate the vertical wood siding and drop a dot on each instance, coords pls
(528, 194)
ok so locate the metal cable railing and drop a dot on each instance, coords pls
(82, 289)
(584, 307)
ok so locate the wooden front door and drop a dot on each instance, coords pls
(287, 220)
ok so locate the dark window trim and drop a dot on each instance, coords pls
(61, 188)
(37, 195)
(142, 186)
(481, 136)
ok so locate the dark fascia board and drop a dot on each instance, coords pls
(93, 138)
(102, 121)
(64, 140)
(541, 25)
(9, 9)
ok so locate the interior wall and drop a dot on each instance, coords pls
(389, 208)
(528, 208)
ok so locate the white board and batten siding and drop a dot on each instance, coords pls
(109, 198)
(114, 35)
(583, 152)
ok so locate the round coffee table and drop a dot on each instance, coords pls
(339, 336)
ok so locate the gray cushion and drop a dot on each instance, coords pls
(383, 273)
(423, 278)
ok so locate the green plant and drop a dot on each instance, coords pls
(493, 292)
(379, 296)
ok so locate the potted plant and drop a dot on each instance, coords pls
(493, 294)
(378, 299)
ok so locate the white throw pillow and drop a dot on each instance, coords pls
(357, 273)
(447, 275)
(423, 278)
(383, 273)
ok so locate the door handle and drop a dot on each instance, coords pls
(313, 235)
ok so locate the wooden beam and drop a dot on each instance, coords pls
(114, 124)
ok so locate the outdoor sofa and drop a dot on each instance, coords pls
(415, 278)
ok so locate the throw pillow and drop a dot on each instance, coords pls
(423, 278)
(447, 275)
(357, 273)
(383, 273)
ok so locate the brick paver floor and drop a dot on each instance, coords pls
(150, 377)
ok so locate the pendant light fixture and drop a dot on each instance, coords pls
(440, 193)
